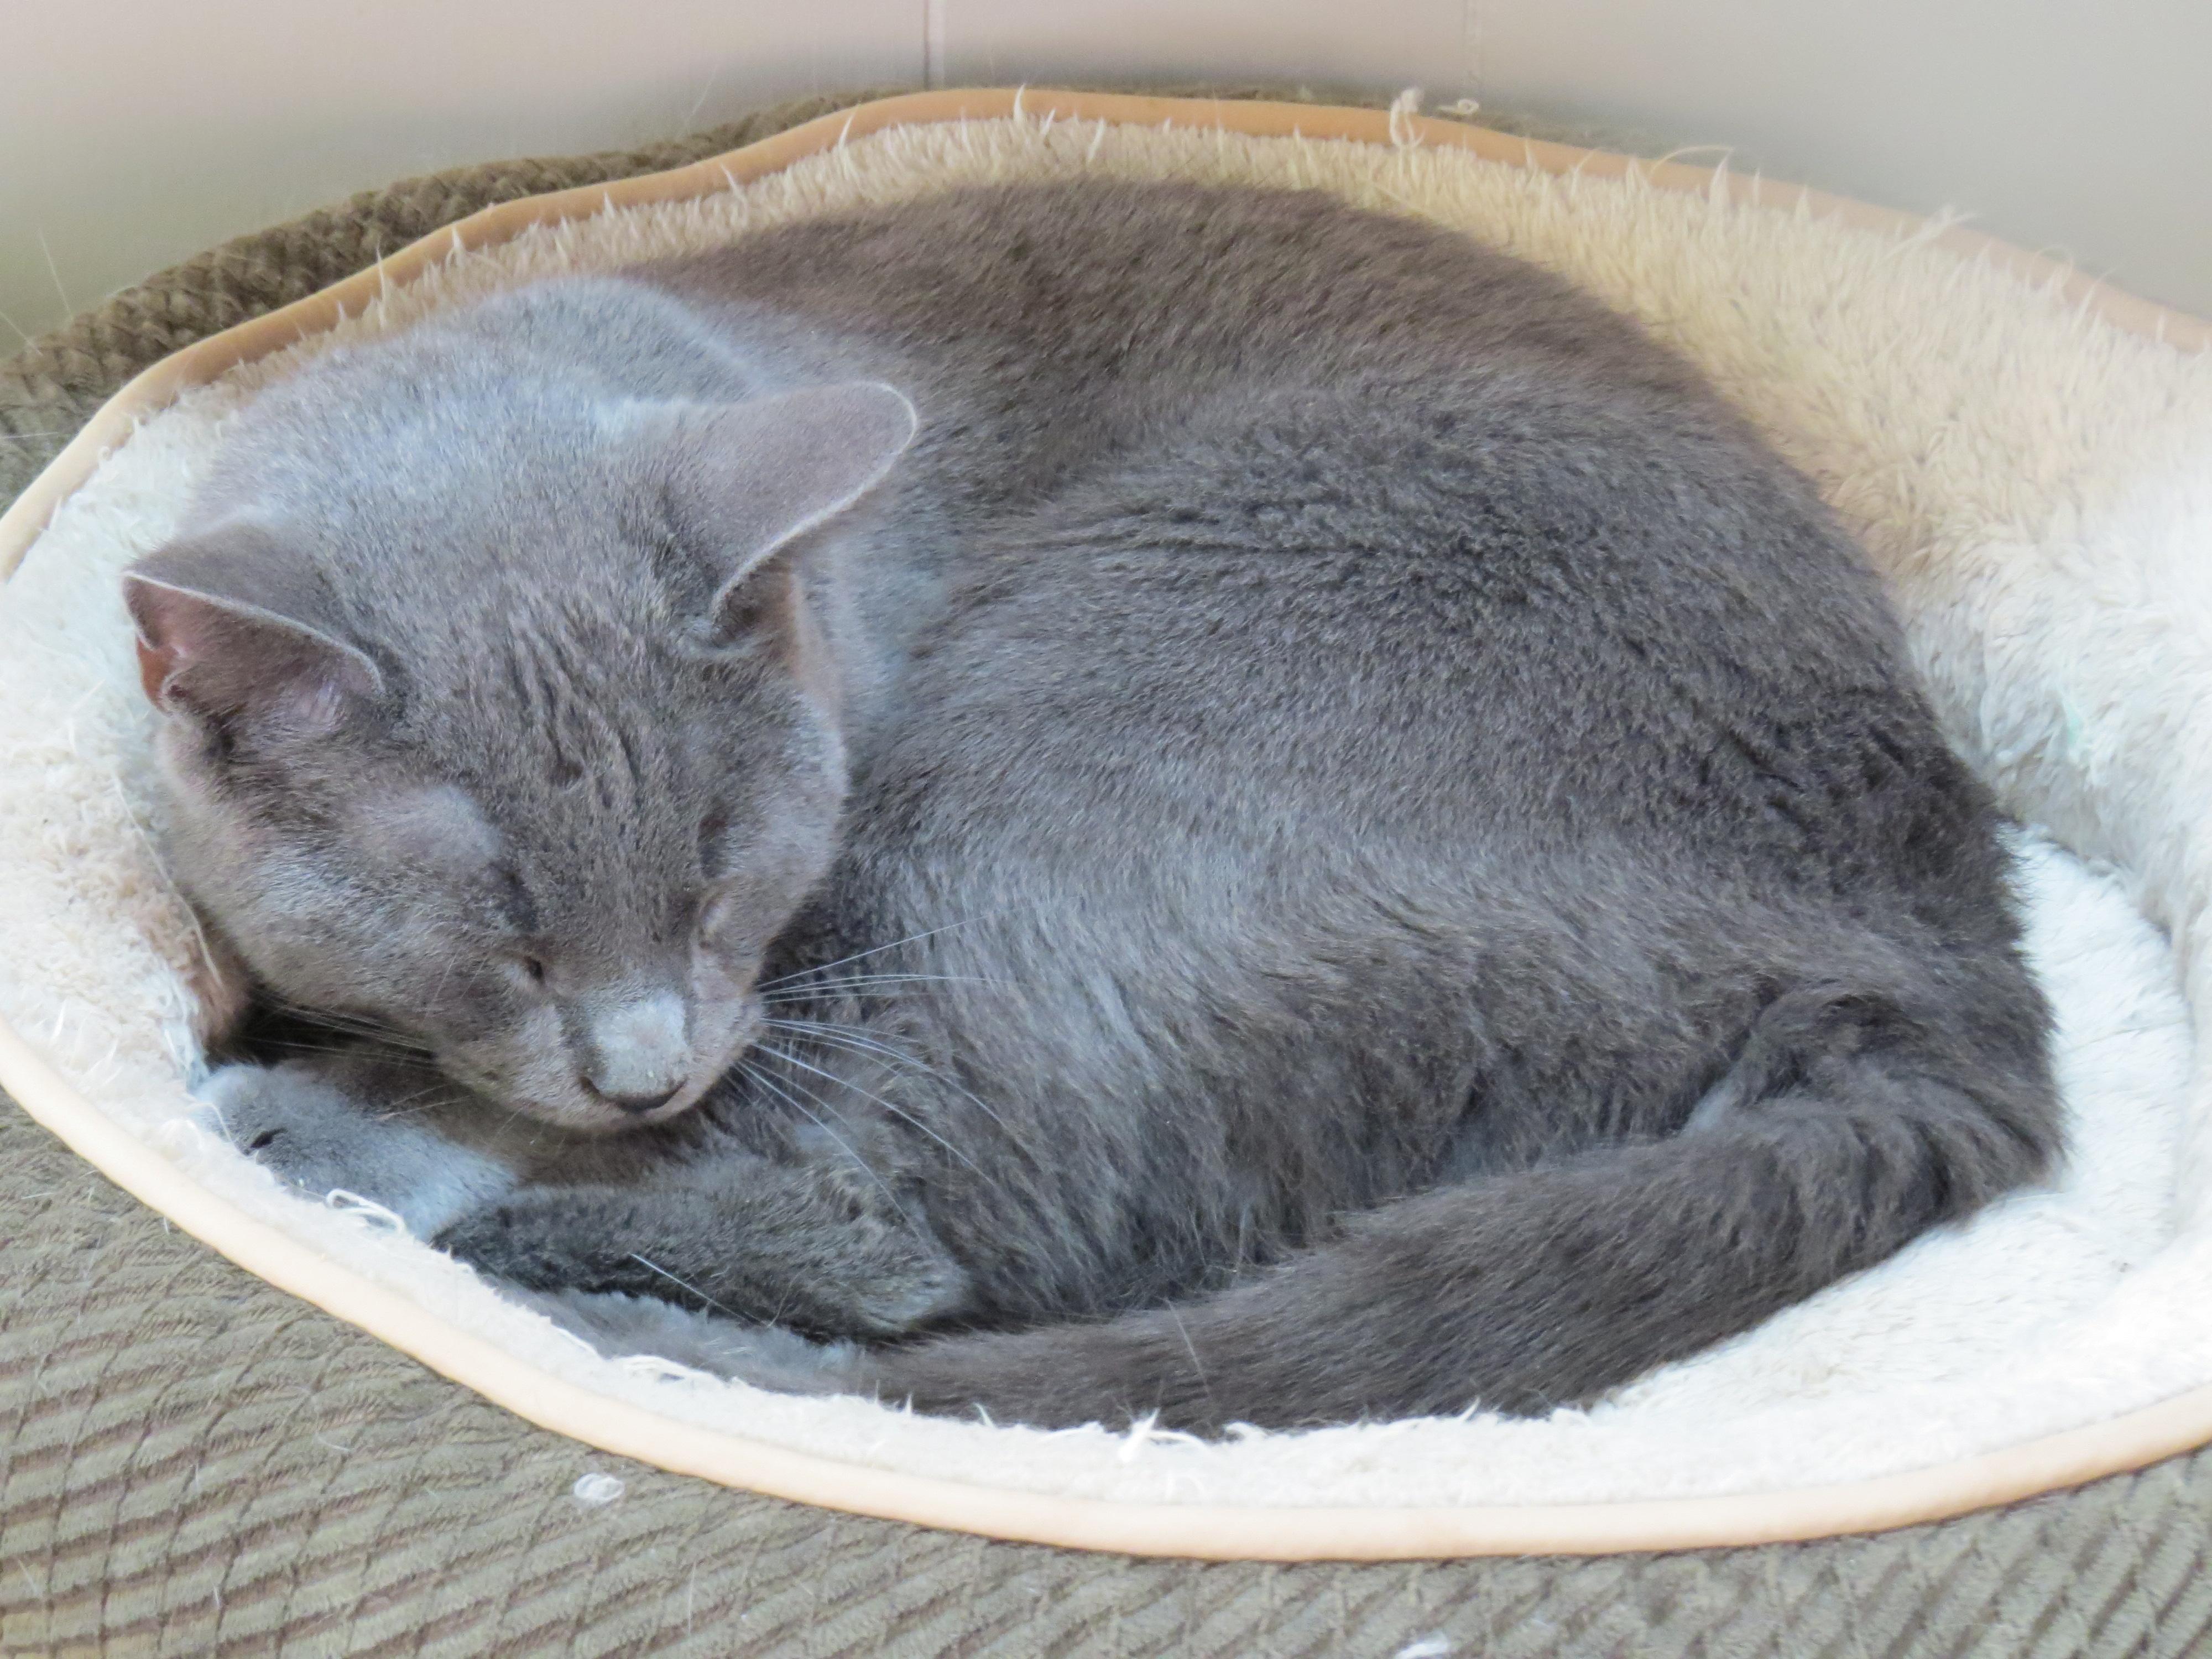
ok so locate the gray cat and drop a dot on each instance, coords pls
(1134, 797)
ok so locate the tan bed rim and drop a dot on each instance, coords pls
(1212, 1532)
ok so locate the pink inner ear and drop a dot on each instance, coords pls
(155, 664)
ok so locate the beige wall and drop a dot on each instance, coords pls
(135, 132)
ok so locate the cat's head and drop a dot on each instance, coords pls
(514, 732)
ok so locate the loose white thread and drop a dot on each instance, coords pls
(1403, 108)
(596, 1491)
(368, 1209)
(663, 1371)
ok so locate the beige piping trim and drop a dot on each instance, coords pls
(1207, 1532)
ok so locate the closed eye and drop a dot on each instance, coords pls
(515, 904)
(524, 968)
(713, 857)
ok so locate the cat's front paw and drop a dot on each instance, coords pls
(774, 1260)
(542, 1242)
(766, 1356)
(891, 1283)
(883, 1269)
(316, 1132)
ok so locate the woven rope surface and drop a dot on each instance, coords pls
(192, 1462)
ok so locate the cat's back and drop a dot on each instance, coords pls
(1219, 457)
(1107, 280)
(1059, 337)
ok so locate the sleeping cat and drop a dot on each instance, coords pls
(1126, 797)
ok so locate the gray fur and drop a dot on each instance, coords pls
(768, 1356)
(1215, 885)
(341, 1125)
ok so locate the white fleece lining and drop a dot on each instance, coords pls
(2036, 486)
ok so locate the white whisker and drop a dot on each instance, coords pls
(864, 981)
(898, 1111)
(861, 955)
(853, 1038)
(756, 1075)
(654, 1266)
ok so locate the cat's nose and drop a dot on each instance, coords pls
(637, 1052)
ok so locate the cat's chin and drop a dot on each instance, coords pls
(593, 1120)
(577, 1110)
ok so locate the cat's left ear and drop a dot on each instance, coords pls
(232, 622)
(746, 481)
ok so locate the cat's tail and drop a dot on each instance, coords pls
(1552, 1284)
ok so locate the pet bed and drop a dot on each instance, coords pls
(2029, 458)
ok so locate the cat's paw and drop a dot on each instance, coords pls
(316, 1135)
(620, 1325)
(892, 1282)
(543, 1240)
(883, 1266)
(769, 1262)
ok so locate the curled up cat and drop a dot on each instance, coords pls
(1105, 800)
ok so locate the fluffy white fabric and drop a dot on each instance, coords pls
(2037, 488)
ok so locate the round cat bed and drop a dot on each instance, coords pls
(2028, 457)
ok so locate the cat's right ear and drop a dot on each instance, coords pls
(745, 482)
(232, 624)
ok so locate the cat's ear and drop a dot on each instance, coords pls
(231, 623)
(745, 480)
